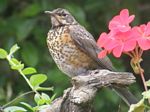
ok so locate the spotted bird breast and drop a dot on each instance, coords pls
(69, 58)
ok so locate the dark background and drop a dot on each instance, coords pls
(24, 22)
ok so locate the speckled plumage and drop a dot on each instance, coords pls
(69, 58)
(74, 49)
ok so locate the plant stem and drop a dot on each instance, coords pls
(27, 80)
(143, 80)
(129, 54)
(20, 71)
(4, 106)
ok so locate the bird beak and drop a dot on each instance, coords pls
(49, 13)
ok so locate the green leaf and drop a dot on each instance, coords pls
(27, 105)
(46, 98)
(3, 54)
(37, 79)
(148, 83)
(17, 67)
(14, 48)
(41, 102)
(139, 107)
(146, 94)
(53, 97)
(44, 88)
(15, 61)
(37, 98)
(14, 109)
(29, 70)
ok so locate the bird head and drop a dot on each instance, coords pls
(61, 17)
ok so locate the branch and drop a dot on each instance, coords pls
(79, 98)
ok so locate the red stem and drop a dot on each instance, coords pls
(143, 80)
(129, 54)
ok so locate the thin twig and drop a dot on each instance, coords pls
(4, 106)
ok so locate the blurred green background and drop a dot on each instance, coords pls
(24, 22)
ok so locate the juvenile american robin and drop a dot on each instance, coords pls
(74, 49)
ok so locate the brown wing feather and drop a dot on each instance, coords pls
(87, 43)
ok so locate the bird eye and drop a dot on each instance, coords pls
(61, 14)
(64, 14)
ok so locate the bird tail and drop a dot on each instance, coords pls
(125, 94)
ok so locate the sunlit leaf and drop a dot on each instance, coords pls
(15, 61)
(148, 83)
(37, 98)
(146, 94)
(52, 98)
(14, 109)
(45, 88)
(139, 107)
(46, 97)
(17, 67)
(3, 54)
(41, 102)
(29, 70)
(14, 48)
(37, 79)
(26, 105)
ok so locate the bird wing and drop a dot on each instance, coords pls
(87, 43)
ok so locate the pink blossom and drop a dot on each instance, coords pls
(117, 43)
(120, 38)
(121, 22)
(142, 33)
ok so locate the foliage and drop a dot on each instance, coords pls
(23, 22)
(34, 82)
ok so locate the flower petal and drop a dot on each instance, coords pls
(102, 40)
(111, 44)
(117, 51)
(144, 43)
(102, 54)
(131, 18)
(129, 45)
(124, 14)
(147, 30)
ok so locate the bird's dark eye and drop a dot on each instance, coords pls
(64, 14)
(61, 14)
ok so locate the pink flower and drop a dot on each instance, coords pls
(142, 33)
(124, 43)
(121, 22)
(116, 43)
(120, 38)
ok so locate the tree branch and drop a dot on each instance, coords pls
(79, 98)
